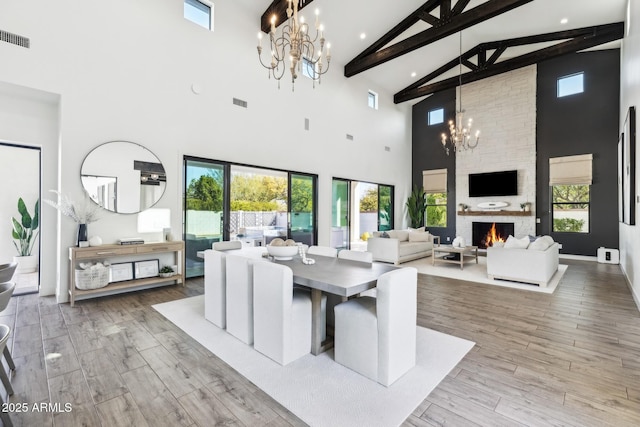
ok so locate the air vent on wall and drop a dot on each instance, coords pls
(240, 102)
(8, 37)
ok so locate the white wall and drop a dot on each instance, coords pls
(30, 117)
(503, 108)
(125, 70)
(630, 96)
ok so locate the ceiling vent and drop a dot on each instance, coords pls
(8, 37)
(239, 102)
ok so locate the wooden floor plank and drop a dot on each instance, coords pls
(570, 358)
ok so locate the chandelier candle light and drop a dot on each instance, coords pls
(303, 53)
(459, 137)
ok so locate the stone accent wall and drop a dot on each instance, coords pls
(503, 108)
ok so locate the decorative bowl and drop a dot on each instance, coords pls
(282, 252)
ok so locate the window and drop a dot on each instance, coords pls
(570, 208)
(308, 68)
(436, 116)
(570, 85)
(373, 100)
(199, 13)
(436, 210)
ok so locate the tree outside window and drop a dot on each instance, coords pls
(570, 208)
(436, 210)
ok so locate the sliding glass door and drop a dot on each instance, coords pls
(302, 202)
(385, 207)
(254, 205)
(358, 209)
(340, 214)
(204, 220)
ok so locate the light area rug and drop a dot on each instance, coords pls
(473, 272)
(316, 388)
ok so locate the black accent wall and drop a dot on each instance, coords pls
(577, 124)
(581, 124)
(427, 152)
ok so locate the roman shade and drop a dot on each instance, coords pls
(434, 181)
(571, 170)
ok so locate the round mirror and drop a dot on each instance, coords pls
(123, 177)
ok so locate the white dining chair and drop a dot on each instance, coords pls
(227, 246)
(281, 314)
(239, 296)
(7, 271)
(322, 251)
(215, 287)
(376, 337)
(356, 255)
(4, 415)
(6, 291)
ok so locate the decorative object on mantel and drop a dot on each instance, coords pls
(294, 44)
(492, 205)
(459, 138)
(83, 214)
(463, 207)
(495, 213)
(25, 232)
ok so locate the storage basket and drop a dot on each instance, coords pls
(92, 278)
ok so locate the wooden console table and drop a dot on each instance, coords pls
(121, 252)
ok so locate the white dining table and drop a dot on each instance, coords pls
(330, 275)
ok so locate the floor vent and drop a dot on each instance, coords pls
(8, 37)
(240, 102)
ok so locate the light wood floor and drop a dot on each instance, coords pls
(571, 358)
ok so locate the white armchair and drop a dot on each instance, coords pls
(239, 296)
(215, 287)
(282, 314)
(376, 337)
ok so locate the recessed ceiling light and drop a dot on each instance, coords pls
(564, 21)
(363, 36)
(413, 74)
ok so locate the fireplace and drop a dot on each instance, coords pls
(485, 233)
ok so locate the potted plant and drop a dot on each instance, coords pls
(25, 233)
(166, 271)
(416, 206)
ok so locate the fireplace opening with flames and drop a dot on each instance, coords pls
(484, 234)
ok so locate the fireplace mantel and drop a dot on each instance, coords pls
(495, 213)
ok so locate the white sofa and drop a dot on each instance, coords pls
(401, 245)
(528, 265)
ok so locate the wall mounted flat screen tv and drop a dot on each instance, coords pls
(503, 183)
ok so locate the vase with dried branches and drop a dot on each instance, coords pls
(82, 213)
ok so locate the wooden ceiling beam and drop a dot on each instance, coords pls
(419, 14)
(587, 38)
(278, 8)
(377, 54)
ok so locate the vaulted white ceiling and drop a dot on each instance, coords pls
(346, 21)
